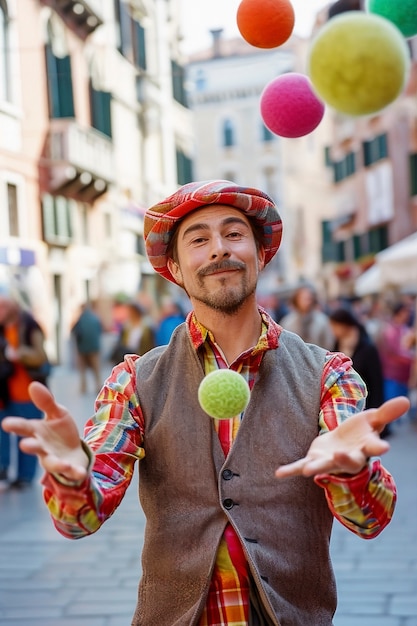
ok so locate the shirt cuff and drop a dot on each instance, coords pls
(355, 481)
(76, 483)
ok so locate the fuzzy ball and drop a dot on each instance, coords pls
(402, 13)
(265, 23)
(358, 63)
(223, 393)
(289, 107)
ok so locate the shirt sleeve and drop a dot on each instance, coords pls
(113, 439)
(364, 503)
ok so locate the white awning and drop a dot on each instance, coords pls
(395, 266)
(398, 263)
(369, 282)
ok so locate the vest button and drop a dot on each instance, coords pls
(227, 474)
(228, 503)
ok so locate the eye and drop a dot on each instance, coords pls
(198, 240)
(234, 235)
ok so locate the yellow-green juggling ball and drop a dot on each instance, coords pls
(223, 393)
(358, 63)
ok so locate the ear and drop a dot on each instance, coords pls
(174, 268)
(261, 258)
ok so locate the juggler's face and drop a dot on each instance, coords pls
(217, 260)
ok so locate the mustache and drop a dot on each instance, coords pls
(219, 266)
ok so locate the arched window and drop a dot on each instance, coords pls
(200, 80)
(229, 138)
(5, 90)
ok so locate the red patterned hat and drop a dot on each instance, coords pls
(160, 220)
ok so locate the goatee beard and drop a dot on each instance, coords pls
(228, 301)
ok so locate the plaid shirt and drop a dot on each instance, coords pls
(363, 503)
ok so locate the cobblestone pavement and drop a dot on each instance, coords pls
(47, 580)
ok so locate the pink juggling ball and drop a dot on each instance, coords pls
(289, 107)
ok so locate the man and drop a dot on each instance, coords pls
(230, 539)
(87, 332)
(307, 320)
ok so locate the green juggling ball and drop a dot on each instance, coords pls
(402, 13)
(223, 393)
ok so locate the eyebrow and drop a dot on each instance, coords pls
(205, 226)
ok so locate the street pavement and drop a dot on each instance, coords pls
(47, 580)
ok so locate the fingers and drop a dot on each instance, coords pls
(291, 469)
(388, 412)
(52, 463)
(45, 401)
(19, 426)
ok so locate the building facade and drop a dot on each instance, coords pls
(93, 127)
(224, 85)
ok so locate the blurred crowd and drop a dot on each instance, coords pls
(379, 335)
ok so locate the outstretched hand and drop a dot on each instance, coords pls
(347, 448)
(54, 439)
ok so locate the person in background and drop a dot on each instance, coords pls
(307, 320)
(352, 338)
(136, 336)
(397, 353)
(238, 511)
(24, 350)
(171, 316)
(87, 332)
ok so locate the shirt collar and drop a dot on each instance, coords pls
(268, 340)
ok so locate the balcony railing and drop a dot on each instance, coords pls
(79, 161)
(85, 149)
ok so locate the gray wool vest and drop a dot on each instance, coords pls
(189, 491)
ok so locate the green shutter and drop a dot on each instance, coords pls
(52, 78)
(139, 45)
(178, 90)
(48, 217)
(66, 99)
(413, 174)
(100, 102)
(184, 168)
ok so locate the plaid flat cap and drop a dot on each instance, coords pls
(161, 219)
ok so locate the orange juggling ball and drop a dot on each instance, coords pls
(265, 23)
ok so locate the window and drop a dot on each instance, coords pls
(178, 89)
(56, 216)
(84, 234)
(328, 246)
(336, 251)
(58, 69)
(139, 45)
(229, 138)
(378, 239)
(5, 73)
(267, 135)
(413, 174)
(12, 210)
(375, 149)
(184, 168)
(131, 35)
(100, 106)
(344, 167)
(200, 81)
(327, 157)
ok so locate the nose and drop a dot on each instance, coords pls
(219, 248)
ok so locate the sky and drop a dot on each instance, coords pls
(199, 16)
